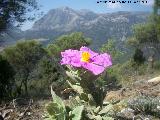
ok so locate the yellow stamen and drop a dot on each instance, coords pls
(85, 57)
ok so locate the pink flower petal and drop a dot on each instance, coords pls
(71, 57)
(103, 60)
(97, 64)
(86, 49)
(95, 69)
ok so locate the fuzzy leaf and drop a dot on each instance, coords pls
(56, 109)
(94, 117)
(107, 118)
(77, 113)
(106, 109)
(77, 88)
(73, 75)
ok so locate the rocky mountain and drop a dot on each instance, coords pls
(97, 26)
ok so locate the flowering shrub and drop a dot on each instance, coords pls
(86, 58)
(90, 64)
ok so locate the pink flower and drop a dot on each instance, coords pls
(86, 58)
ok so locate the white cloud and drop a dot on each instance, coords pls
(149, 2)
(113, 5)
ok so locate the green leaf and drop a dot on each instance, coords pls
(51, 113)
(106, 109)
(84, 96)
(73, 75)
(77, 113)
(57, 99)
(77, 88)
(98, 117)
(107, 118)
(56, 110)
(94, 117)
(97, 109)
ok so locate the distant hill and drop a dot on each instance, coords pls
(10, 36)
(65, 20)
(99, 27)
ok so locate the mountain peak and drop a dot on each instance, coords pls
(85, 10)
(65, 8)
(95, 25)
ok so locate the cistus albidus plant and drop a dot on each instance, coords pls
(84, 67)
(87, 59)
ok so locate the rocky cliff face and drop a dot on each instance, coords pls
(99, 27)
(64, 20)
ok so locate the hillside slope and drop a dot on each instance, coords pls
(99, 27)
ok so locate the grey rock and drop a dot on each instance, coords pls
(126, 113)
(142, 117)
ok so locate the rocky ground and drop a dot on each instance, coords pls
(142, 87)
(142, 98)
(23, 109)
(27, 109)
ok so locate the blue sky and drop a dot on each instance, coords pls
(46, 5)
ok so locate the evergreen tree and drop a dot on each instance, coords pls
(6, 78)
(14, 11)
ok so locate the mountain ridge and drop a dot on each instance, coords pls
(97, 26)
